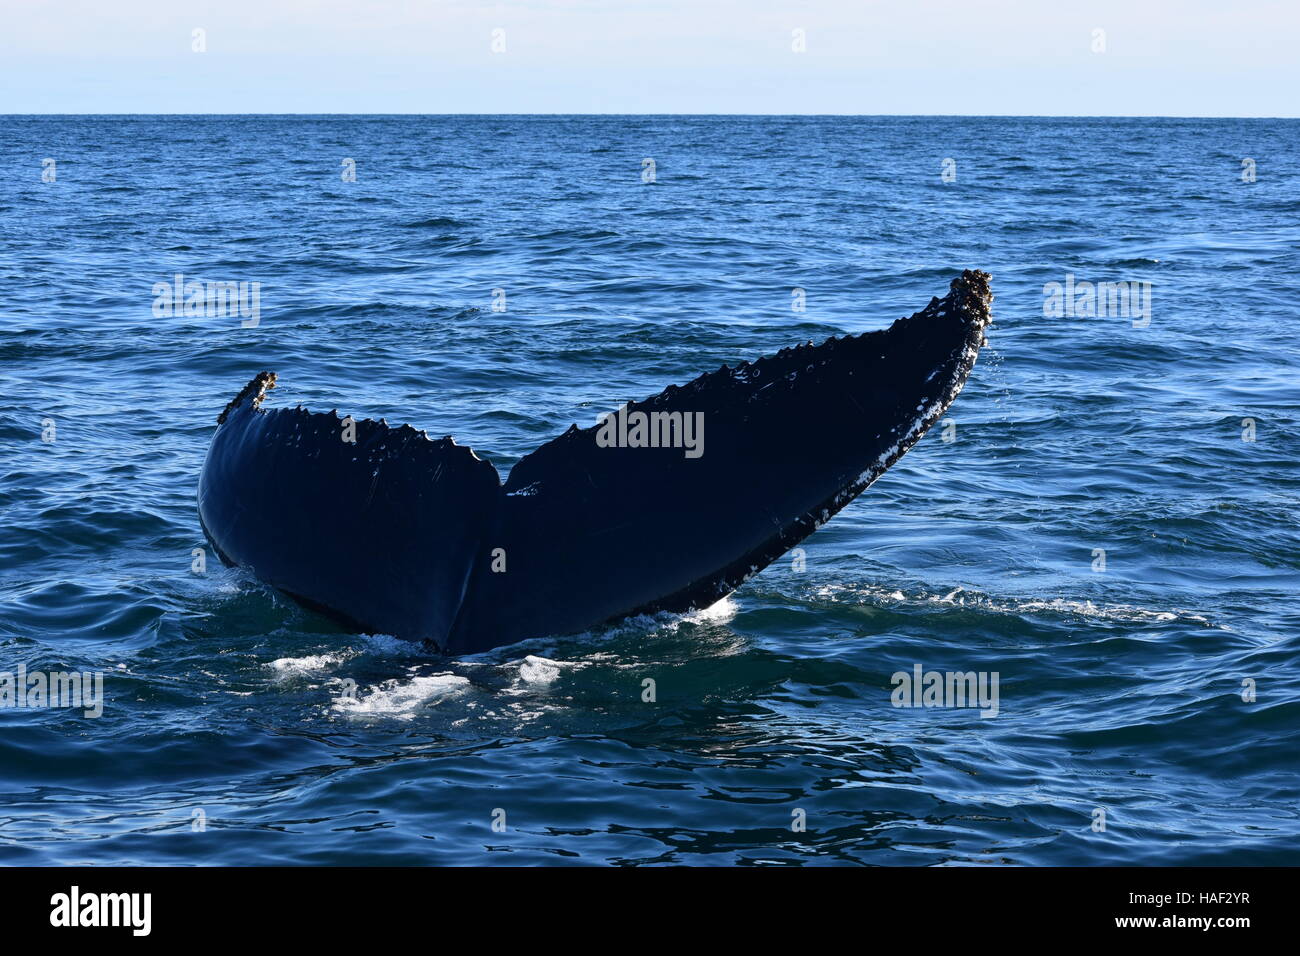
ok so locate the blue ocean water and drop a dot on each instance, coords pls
(238, 728)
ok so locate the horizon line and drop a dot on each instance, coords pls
(702, 114)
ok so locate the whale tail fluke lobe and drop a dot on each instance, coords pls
(667, 504)
(379, 525)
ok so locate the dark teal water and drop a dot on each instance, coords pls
(1120, 690)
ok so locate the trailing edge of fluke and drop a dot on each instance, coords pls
(398, 534)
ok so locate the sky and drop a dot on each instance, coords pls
(964, 57)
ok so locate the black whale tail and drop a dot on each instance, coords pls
(667, 505)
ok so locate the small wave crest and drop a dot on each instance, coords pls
(959, 597)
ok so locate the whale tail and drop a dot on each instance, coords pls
(668, 504)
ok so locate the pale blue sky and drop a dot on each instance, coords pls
(1191, 58)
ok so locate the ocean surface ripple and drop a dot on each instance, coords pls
(238, 728)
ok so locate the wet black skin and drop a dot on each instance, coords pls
(401, 535)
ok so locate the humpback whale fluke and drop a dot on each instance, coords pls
(394, 533)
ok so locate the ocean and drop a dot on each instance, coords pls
(1104, 529)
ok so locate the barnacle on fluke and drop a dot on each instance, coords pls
(398, 534)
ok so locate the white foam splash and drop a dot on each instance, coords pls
(288, 667)
(390, 646)
(538, 670)
(718, 613)
(401, 699)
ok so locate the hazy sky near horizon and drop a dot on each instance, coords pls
(978, 57)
